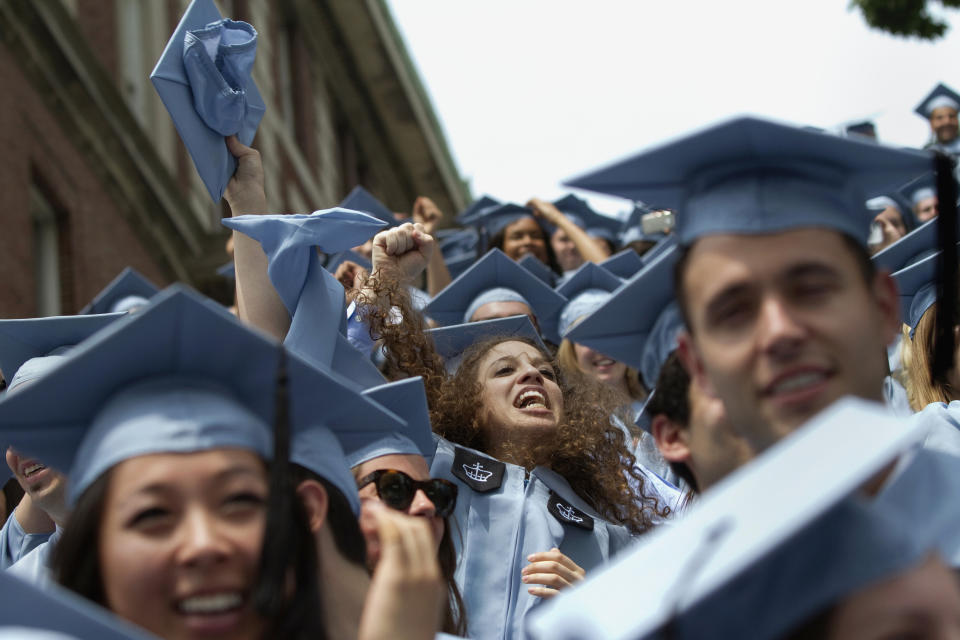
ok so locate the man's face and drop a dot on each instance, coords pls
(782, 325)
(943, 122)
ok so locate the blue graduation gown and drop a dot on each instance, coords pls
(504, 514)
(34, 567)
(16, 543)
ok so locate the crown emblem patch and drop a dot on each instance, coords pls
(480, 473)
(567, 513)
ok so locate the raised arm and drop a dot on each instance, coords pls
(427, 214)
(258, 303)
(585, 245)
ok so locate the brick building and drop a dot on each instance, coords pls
(93, 176)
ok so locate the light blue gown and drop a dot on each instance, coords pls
(34, 567)
(503, 515)
(16, 543)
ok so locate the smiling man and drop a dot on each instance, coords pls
(785, 313)
(940, 109)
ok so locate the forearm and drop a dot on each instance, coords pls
(585, 244)
(438, 275)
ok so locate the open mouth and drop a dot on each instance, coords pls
(531, 399)
(32, 469)
(604, 362)
(211, 604)
(791, 384)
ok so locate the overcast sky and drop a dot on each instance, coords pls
(531, 92)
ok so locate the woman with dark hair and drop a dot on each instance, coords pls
(518, 231)
(165, 433)
(547, 485)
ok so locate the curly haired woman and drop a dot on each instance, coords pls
(546, 487)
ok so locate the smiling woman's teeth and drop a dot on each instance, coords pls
(32, 469)
(798, 382)
(531, 400)
(215, 603)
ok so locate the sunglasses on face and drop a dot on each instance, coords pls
(397, 490)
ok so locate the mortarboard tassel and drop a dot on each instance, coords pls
(946, 317)
(270, 595)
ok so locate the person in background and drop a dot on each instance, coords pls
(940, 108)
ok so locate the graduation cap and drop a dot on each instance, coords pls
(637, 325)
(917, 284)
(582, 214)
(534, 265)
(470, 214)
(771, 545)
(407, 399)
(589, 287)
(865, 128)
(127, 291)
(494, 278)
(754, 176)
(623, 264)
(911, 248)
(203, 78)
(51, 612)
(922, 188)
(362, 200)
(451, 342)
(457, 264)
(494, 219)
(457, 241)
(941, 96)
(659, 249)
(32, 346)
(182, 375)
(313, 297)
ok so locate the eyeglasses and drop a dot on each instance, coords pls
(397, 490)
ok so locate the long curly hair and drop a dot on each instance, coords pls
(587, 450)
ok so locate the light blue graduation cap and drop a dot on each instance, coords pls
(453, 341)
(659, 249)
(337, 259)
(469, 215)
(582, 214)
(457, 241)
(775, 543)
(32, 346)
(911, 248)
(494, 219)
(941, 96)
(182, 375)
(896, 200)
(917, 284)
(638, 324)
(589, 287)
(313, 297)
(406, 398)
(534, 265)
(623, 264)
(55, 613)
(457, 264)
(362, 200)
(203, 78)
(127, 291)
(754, 176)
(494, 278)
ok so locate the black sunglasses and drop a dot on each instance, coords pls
(397, 490)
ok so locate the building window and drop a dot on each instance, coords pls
(47, 240)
